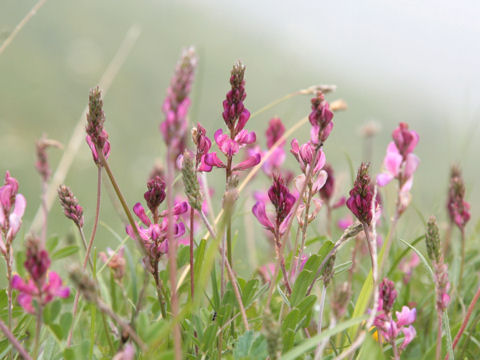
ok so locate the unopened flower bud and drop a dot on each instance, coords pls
(71, 208)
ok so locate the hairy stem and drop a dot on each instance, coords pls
(38, 329)
(172, 258)
(192, 276)
(438, 352)
(160, 291)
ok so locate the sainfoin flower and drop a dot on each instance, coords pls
(154, 235)
(321, 119)
(235, 115)
(389, 328)
(361, 196)
(43, 285)
(69, 202)
(283, 201)
(274, 133)
(400, 163)
(12, 208)
(458, 208)
(97, 137)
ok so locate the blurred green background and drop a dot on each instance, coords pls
(46, 73)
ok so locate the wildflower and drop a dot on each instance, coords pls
(235, 115)
(274, 132)
(458, 208)
(321, 119)
(155, 194)
(203, 144)
(115, 261)
(127, 353)
(361, 196)
(176, 104)
(97, 137)
(71, 208)
(154, 235)
(43, 285)
(12, 208)
(405, 140)
(389, 328)
(283, 201)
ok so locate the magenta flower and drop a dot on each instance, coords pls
(321, 119)
(176, 104)
(235, 116)
(274, 132)
(203, 144)
(43, 292)
(405, 140)
(387, 327)
(42, 286)
(361, 196)
(12, 208)
(283, 201)
(155, 194)
(458, 208)
(394, 164)
(154, 235)
(229, 147)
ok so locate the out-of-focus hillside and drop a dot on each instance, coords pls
(62, 52)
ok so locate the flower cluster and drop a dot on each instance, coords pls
(400, 163)
(97, 137)
(12, 207)
(283, 201)
(361, 202)
(458, 208)
(321, 119)
(154, 233)
(43, 285)
(176, 104)
(388, 328)
(71, 208)
(274, 132)
(235, 115)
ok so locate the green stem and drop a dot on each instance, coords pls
(462, 261)
(37, 332)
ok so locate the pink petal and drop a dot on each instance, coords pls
(244, 137)
(247, 164)
(140, 212)
(392, 162)
(384, 178)
(213, 160)
(411, 164)
(25, 301)
(203, 167)
(259, 212)
(409, 334)
(321, 180)
(406, 317)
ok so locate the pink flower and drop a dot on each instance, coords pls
(345, 222)
(321, 119)
(361, 196)
(393, 163)
(105, 149)
(406, 317)
(12, 208)
(405, 140)
(154, 235)
(409, 333)
(283, 201)
(42, 292)
(274, 132)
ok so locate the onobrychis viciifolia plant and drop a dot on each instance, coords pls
(186, 282)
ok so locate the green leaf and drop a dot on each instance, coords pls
(314, 340)
(52, 243)
(66, 322)
(288, 328)
(300, 287)
(243, 346)
(56, 330)
(64, 252)
(51, 312)
(306, 305)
